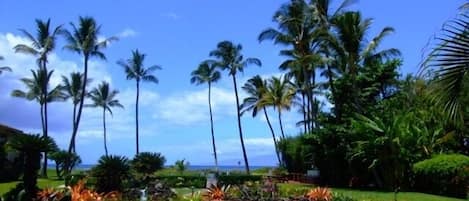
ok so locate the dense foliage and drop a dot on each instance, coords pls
(446, 174)
(110, 172)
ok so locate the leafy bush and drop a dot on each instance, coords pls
(238, 179)
(110, 172)
(184, 181)
(443, 174)
(159, 191)
(64, 162)
(147, 162)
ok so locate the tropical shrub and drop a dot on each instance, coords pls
(216, 193)
(238, 179)
(31, 146)
(446, 174)
(181, 165)
(147, 162)
(319, 194)
(159, 191)
(183, 181)
(110, 173)
(64, 162)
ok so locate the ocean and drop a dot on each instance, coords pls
(224, 168)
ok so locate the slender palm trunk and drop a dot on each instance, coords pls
(104, 129)
(44, 91)
(211, 126)
(246, 163)
(73, 125)
(273, 136)
(303, 98)
(136, 115)
(333, 93)
(80, 107)
(280, 121)
(314, 108)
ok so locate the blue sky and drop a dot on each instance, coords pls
(178, 35)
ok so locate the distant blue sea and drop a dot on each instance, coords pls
(191, 167)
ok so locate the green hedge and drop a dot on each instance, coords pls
(445, 174)
(200, 181)
(183, 180)
(237, 179)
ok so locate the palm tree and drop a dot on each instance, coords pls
(72, 89)
(231, 59)
(102, 96)
(41, 47)
(31, 146)
(4, 68)
(256, 87)
(135, 70)
(35, 91)
(279, 94)
(84, 40)
(207, 73)
(352, 47)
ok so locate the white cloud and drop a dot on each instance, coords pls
(171, 15)
(188, 108)
(126, 33)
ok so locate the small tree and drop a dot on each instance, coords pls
(110, 172)
(64, 162)
(181, 165)
(147, 162)
(31, 146)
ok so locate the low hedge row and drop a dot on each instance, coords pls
(200, 181)
(445, 174)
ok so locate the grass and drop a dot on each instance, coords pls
(52, 181)
(369, 195)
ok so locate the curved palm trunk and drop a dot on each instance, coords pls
(246, 163)
(136, 116)
(211, 126)
(44, 91)
(104, 129)
(80, 107)
(73, 126)
(273, 136)
(280, 121)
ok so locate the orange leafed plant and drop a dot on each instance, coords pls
(216, 193)
(319, 194)
(48, 194)
(80, 193)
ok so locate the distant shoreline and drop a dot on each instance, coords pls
(191, 167)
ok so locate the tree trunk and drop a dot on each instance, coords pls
(305, 121)
(273, 137)
(44, 167)
(32, 163)
(45, 93)
(280, 121)
(246, 163)
(104, 129)
(211, 126)
(136, 116)
(72, 142)
(80, 108)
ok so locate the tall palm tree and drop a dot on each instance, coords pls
(256, 87)
(71, 88)
(41, 46)
(35, 91)
(84, 41)
(4, 68)
(279, 94)
(353, 49)
(102, 96)
(135, 70)
(207, 73)
(230, 58)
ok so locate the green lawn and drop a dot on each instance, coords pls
(372, 195)
(52, 181)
